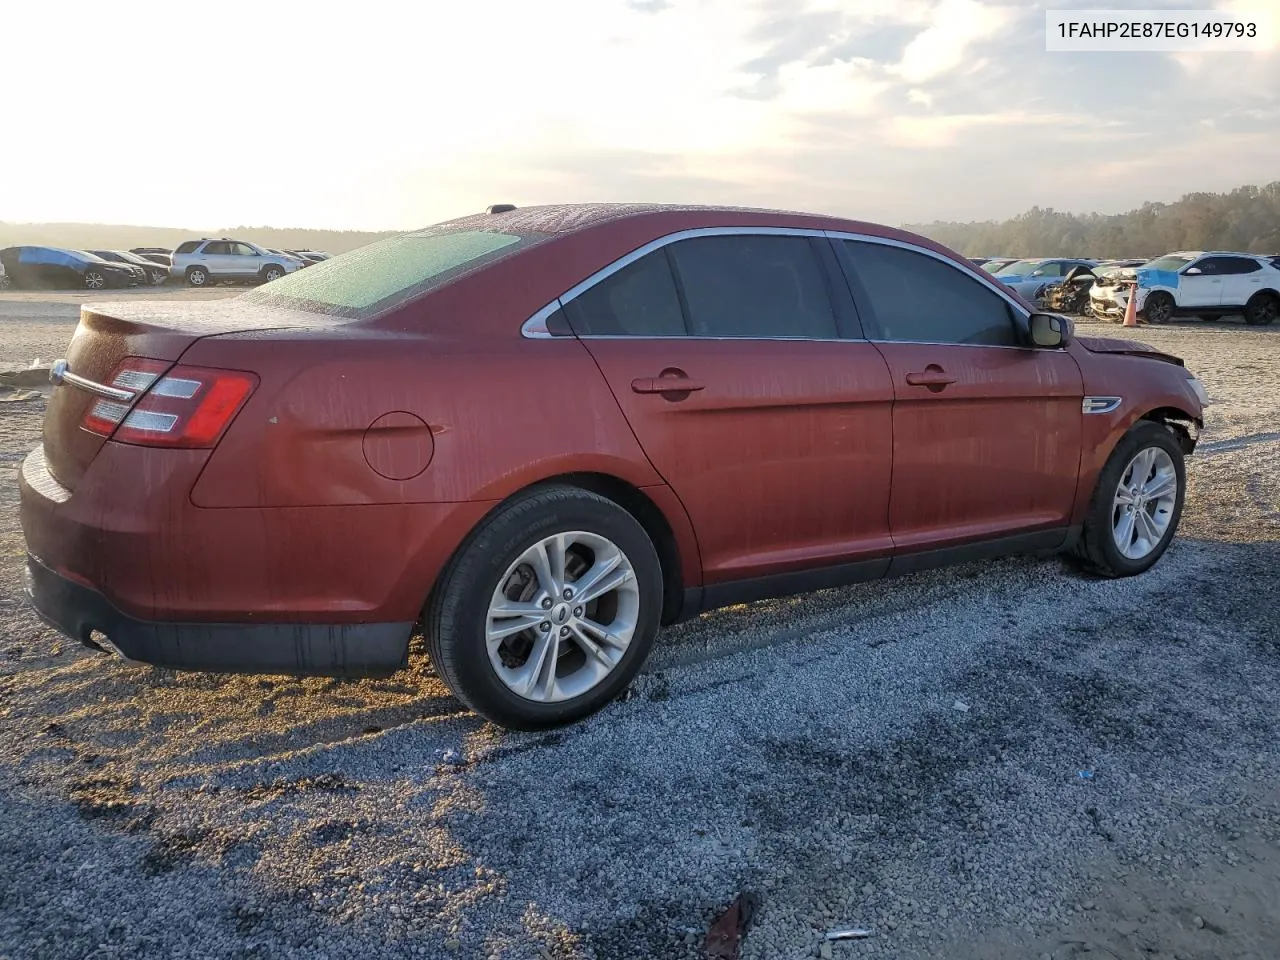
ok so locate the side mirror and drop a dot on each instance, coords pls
(1049, 330)
(1193, 271)
(1037, 273)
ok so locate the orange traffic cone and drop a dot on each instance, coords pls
(1131, 308)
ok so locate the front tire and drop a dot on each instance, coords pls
(548, 611)
(1158, 308)
(1136, 505)
(94, 280)
(1262, 309)
(272, 273)
(197, 277)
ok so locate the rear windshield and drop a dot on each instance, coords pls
(375, 278)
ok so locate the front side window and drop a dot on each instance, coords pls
(917, 298)
(754, 286)
(243, 250)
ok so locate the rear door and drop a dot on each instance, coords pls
(741, 371)
(1241, 278)
(986, 431)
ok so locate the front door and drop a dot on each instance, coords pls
(727, 357)
(1203, 288)
(986, 431)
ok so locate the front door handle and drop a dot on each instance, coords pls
(933, 377)
(670, 381)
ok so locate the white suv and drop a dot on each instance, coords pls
(1198, 283)
(203, 261)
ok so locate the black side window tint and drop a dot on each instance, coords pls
(1210, 266)
(640, 300)
(754, 286)
(920, 299)
(1239, 265)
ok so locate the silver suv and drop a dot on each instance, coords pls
(203, 261)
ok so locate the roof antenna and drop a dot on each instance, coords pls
(501, 208)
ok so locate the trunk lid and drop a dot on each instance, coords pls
(159, 330)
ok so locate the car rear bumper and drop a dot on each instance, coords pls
(344, 649)
(325, 589)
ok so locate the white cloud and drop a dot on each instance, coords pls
(953, 26)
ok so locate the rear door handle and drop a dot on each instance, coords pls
(933, 377)
(669, 382)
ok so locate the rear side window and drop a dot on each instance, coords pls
(765, 287)
(1229, 266)
(640, 300)
(385, 274)
(216, 248)
(917, 298)
(189, 247)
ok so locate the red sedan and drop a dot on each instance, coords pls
(543, 433)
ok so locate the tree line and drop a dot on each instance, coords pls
(1247, 220)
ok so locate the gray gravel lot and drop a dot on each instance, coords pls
(1003, 760)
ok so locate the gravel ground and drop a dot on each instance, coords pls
(1002, 760)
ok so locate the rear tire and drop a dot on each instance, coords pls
(468, 619)
(1146, 460)
(197, 277)
(1262, 309)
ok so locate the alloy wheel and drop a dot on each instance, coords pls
(1144, 501)
(94, 280)
(562, 617)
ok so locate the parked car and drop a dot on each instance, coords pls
(155, 272)
(1071, 293)
(4, 278)
(35, 267)
(998, 263)
(204, 261)
(160, 255)
(1199, 283)
(544, 433)
(1030, 277)
(314, 256)
(299, 260)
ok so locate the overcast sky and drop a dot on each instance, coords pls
(388, 114)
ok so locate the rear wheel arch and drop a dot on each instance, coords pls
(626, 495)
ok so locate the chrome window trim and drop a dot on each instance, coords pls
(993, 286)
(535, 328)
(1100, 404)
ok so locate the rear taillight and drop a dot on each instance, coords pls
(186, 407)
